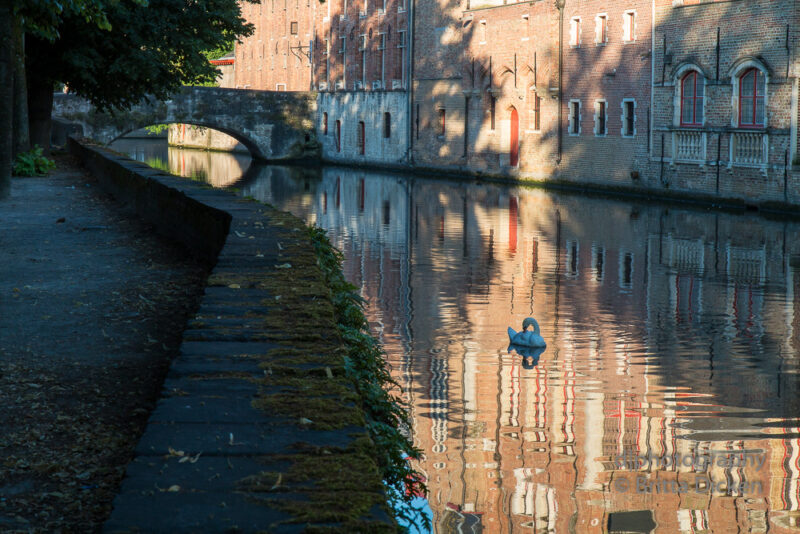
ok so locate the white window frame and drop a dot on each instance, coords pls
(601, 28)
(630, 38)
(482, 35)
(280, 87)
(597, 104)
(575, 32)
(572, 117)
(624, 116)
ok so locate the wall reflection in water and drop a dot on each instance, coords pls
(672, 336)
(220, 169)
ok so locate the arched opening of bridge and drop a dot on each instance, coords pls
(188, 150)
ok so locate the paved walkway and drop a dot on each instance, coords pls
(92, 304)
(256, 430)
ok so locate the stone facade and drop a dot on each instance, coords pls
(363, 127)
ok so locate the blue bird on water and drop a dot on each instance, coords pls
(525, 337)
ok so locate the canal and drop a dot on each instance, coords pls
(667, 397)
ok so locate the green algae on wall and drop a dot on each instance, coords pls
(328, 358)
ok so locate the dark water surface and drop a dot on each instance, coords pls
(667, 398)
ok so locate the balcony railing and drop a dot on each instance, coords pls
(688, 146)
(749, 148)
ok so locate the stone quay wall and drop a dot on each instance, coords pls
(258, 428)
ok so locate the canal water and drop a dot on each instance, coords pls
(667, 397)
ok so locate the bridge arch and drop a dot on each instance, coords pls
(272, 125)
(248, 143)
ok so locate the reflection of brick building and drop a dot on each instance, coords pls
(619, 291)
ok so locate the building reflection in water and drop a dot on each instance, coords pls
(672, 336)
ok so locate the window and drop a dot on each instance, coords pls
(338, 136)
(574, 117)
(280, 86)
(626, 270)
(325, 123)
(575, 31)
(535, 113)
(601, 29)
(492, 105)
(442, 124)
(692, 92)
(629, 26)
(387, 125)
(401, 53)
(598, 263)
(628, 118)
(361, 138)
(293, 28)
(482, 32)
(362, 46)
(600, 117)
(752, 89)
(526, 26)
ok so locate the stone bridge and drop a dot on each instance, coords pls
(272, 125)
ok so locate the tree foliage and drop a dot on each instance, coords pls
(144, 50)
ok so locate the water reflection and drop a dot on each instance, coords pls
(220, 169)
(667, 398)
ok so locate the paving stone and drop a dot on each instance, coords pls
(213, 439)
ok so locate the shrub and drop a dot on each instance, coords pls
(32, 163)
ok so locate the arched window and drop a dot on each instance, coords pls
(692, 94)
(325, 123)
(752, 90)
(338, 136)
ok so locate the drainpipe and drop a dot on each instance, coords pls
(410, 81)
(560, 6)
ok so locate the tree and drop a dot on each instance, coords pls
(150, 50)
(17, 17)
(6, 96)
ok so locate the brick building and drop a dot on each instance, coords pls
(641, 94)
(353, 52)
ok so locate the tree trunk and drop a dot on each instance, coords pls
(6, 97)
(21, 133)
(40, 109)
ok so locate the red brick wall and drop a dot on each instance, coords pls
(370, 19)
(609, 71)
(274, 58)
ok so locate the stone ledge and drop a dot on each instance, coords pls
(245, 427)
